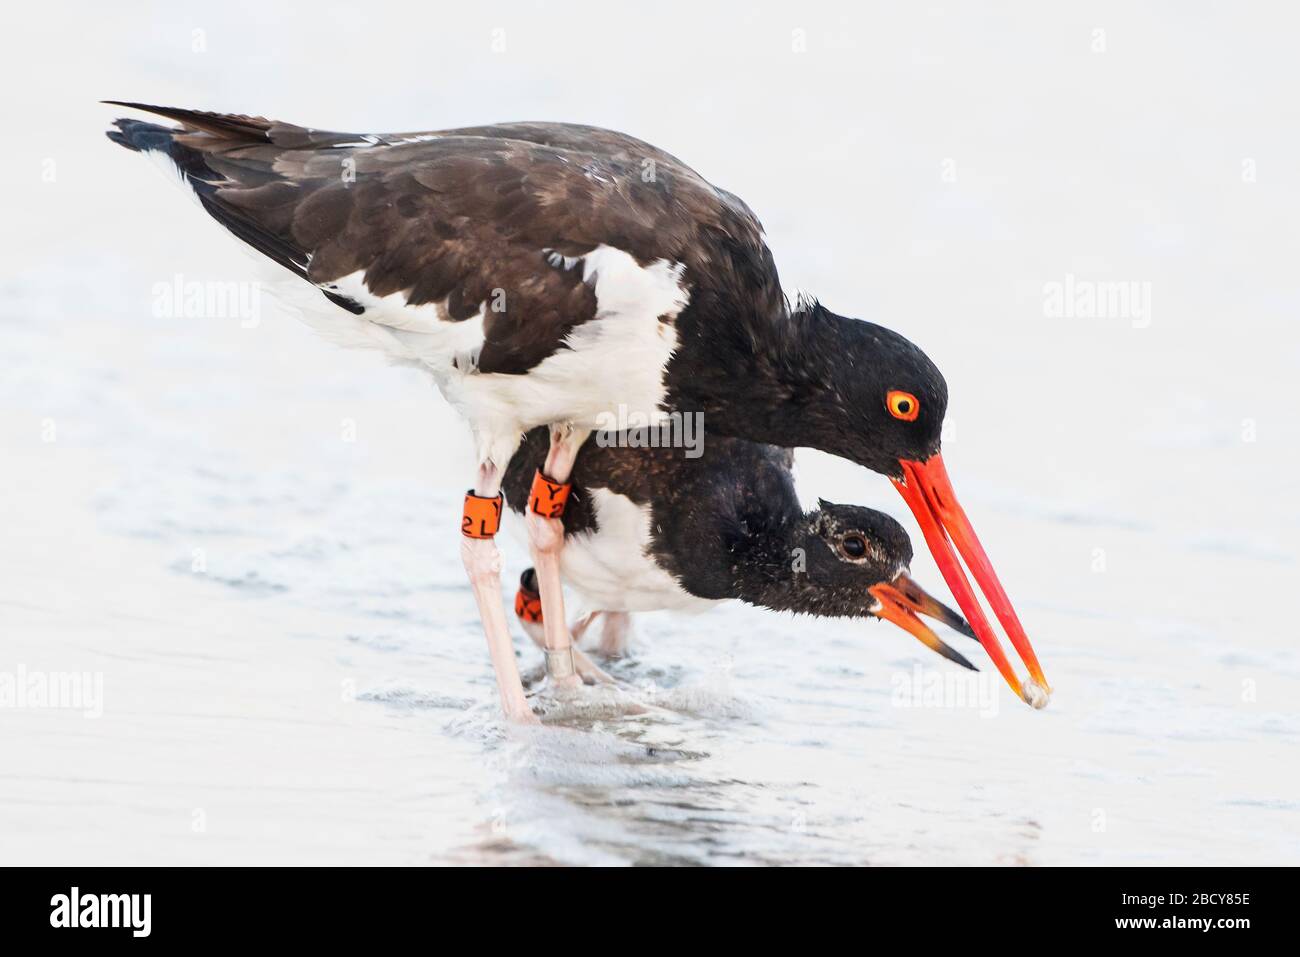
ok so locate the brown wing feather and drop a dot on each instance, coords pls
(454, 217)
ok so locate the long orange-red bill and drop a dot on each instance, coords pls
(928, 491)
(902, 599)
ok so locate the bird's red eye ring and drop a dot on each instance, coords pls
(902, 405)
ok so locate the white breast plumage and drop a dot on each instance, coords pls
(610, 570)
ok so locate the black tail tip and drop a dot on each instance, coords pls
(118, 137)
(141, 136)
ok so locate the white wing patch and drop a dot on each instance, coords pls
(613, 367)
(625, 289)
(611, 370)
(391, 310)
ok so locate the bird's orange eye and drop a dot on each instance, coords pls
(902, 405)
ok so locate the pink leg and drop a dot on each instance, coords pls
(527, 607)
(483, 565)
(614, 632)
(587, 670)
(546, 536)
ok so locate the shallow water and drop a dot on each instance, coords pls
(251, 536)
(290, 654)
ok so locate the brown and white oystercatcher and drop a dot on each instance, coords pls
(649, 529)
(566, 276)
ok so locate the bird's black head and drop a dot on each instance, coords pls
(844, 561)
(841, 552)
(888, 400)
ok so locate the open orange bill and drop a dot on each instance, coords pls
(903, 600)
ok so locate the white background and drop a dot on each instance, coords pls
(318, 690)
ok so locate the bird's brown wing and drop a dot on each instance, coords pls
(459, 218)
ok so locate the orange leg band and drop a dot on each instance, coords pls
(528, 603)
(547, 498)
(482, 516)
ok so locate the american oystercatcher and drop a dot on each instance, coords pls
(650, 529)
(572, 277)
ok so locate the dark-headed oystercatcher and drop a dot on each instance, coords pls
(649, 529)
(567, 276)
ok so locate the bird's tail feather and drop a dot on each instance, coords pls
(201, 169)
(225, 125)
